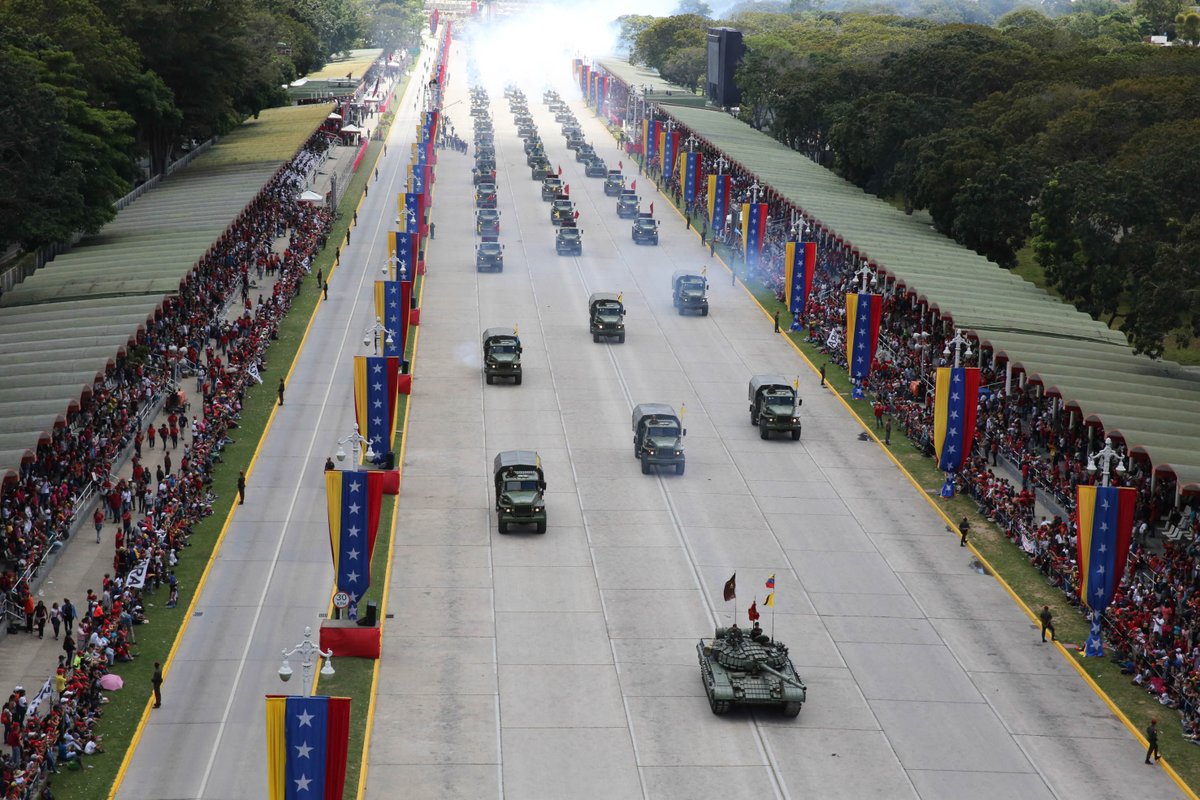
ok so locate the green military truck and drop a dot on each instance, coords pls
(489, 255)
(774, 405)
(520, 488)
(606, 316)
(501, 355)
(688, 292)
(657, 437)
(569, 239)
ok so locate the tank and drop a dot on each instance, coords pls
(738, 668)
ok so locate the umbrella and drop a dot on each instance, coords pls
(334, 116)
(111, 681)
(310, 197)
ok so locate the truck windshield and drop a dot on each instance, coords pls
(504, 348)
(526, 485)
(662, 431)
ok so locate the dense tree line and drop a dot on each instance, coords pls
(101, 94)
(1069, 135)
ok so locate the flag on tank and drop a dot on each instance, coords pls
(375, 391)
(392, 307)
(718, 201)
(308, 742)
(353, 500)
(799, 264)
(754, 229)
(955, 400)
(863, 313)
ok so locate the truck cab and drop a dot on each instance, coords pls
(489, 255)
(658, 437)
(688, 292)
(535, 154)
(485, 195)
(552, 187)
(627, 205)
(569, 240)
(487, 222)
(526, 129)
(596, 168)
(484, 174)
(584, 153)
(534, 143)
(575, 140)
(561, 210)
(501, 355)
(645, 229)
(540, 169)
(520, 490)
(774, 405)
(606, 316)
(614, 183)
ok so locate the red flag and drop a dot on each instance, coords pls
(652, 209)
(633, 186)
(566, 188)
(560, 170)
(752, 612)
(621, 164)
(731, 588)
(575, 215)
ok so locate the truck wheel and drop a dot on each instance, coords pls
(753, 418)
(490, 378)
(596, 338)
(645, 466)
(621, 339)
(762, 432)
(791, 709)
(796, 435)
(679, 468)
(503, 527)
(541, 527)
(704, 311)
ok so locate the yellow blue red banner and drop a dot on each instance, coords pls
(375, 392)
(863, 314)
(754, 229)
(718, 201)
(955, 401)
(693, 174)
(1105, 529)
(353, 500)
(799, 265)
(308, 740)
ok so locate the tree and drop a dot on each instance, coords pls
(662, 37)
(1187, 27)
(1160, 13)
(1165, 298)
(394, 24)
(686, 67)
(629, 27)
(991, 210)
(698, 7)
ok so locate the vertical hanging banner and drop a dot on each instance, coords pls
(375, 384)
(955, 400)
(404, 248)
(353, 499)
(1105, 529)
(863, 314)
(718, 201)
(308, 742)
(754, 229)
(603, 95)
(799, 261)
(393, 302)
(416, 180)
(652, 140)
(433, 21)
(692, 175)
(413, 213)
(670, 151)
(645, 136)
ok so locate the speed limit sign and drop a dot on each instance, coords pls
(341, 600)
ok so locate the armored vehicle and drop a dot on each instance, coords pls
(596, 168)
(535, 154)
(564, 115)
(533, 143)
(485, 151)
(520, 485)
(549, 96)
(614, 183)
(487, 222)
(485, 195)
(575, 141)
(571, 128)
(561, 210)
(489, 255)
(584, 153)
(501, 355)
(774, 405)
(483, 125)
(479, 108)
(747, 668)
(687, 292)
(627, 205)
(485, 174)
(645, 229)
(526, 129)
(540, 169)
(606, 316)
(552, 187)
(569, 240)
(485, 141)
(657, 437)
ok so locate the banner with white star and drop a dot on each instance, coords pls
(955, 400)
(393, 306)
(1105, 531)
(353, 500)
(376, 380)
(308, 739)
(863, 314)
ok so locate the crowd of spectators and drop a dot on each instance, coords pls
(157, 506)
(1153, 622)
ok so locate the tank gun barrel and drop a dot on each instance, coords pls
(780, 675)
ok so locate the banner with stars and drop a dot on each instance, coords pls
(670, 153)
(403, 252)
(393, 303)
(799, 265)
(375, 390)
(863, 313)
(410, 212)
(353, 500)
(754, 231)
(1105, 529)
(718, 201)
(693, 174)
(308, 740)
(955, 400)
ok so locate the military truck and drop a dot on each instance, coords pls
(561, 210)
(645, 229)
(569, 239)
(657, 437)
(489, 255)
(774, 405)
(485, 174)
(501, 355)
(627, 205)
(520, 490)
(596, 168)
(552, 187)
(687, 292)
(485, 195)
(564, 116)
(534, 143)
(614, 183)
(540, 169)
(606, 316)
(746, 668)
(526, 129)
(584, 153)
(549, 96)
(483, 125)
(487, 222)
(485, 141)
(575, 140)
(535, 154)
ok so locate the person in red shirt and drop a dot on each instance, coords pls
(98, 519)
(150, 435)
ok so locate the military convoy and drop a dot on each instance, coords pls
(561, 210)
(688, 292)
(501, 355)
(627, 205)
(552, 187)
(606, 316)
(485, 195)
(614, 183)
(540, 169)
(645, 229)
(520, 490)
(748, 669)
(569, 239)
(774, 405)
(657, 437)
(487, 222)
(489, 255)
(596, 168)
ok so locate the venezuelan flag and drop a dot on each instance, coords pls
(692, 174)
(411, 212)
(392, 306)
(863, 313)
(375, 390)
(955, 400)
(670, 151)
(353, 500)
(799, 264)
(754, 228)
(1105, 529)
(308, 740)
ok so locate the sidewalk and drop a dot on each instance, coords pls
(24, 659)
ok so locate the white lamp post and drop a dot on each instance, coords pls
(308, 651)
